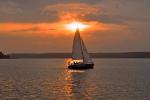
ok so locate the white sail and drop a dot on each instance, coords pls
(86, 57)
(77, 50)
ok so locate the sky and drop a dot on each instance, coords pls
(36, 26)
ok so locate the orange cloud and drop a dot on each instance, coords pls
(98, 26)
(33, 28)
(72, 11)
(67, 13)
(55, 29)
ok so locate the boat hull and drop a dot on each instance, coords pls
(81, 66)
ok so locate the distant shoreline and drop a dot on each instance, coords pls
(93, 55)
(3, 56)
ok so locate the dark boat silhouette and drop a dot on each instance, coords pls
(80, 56)
(2, 56)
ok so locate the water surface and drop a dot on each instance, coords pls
(49, 79)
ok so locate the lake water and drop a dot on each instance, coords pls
(49, 79)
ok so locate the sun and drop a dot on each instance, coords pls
(74, 25)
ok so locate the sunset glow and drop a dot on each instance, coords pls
(74, 25)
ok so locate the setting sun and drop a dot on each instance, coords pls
(74, 25)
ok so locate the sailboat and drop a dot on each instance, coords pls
(80, 56)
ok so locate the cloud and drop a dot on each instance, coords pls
(30, 11)
(72, 11)
(117, 25)
(30, 28)
(56, 29)
(128, 10)
(9, 8)
(19, 11)
(107, 19)
(106, 11)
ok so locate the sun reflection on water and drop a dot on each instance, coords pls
(76, 85)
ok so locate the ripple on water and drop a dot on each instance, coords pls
(109, 80)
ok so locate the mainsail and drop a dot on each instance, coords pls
(79, 51)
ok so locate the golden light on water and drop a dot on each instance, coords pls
(74, 25)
